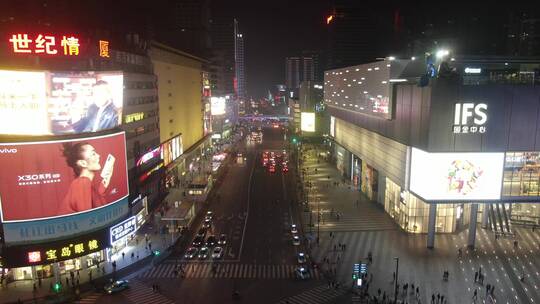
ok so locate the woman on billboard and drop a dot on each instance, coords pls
(87, 190)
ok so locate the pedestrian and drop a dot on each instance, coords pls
(432, 298)
(515, 244)
(459, 253)
(334, 247)
(442, 299)
(475, 295)
(438, 298)
(481, 279)
(67, 281)
(123, 255)
(78, 274)
(487, 289)
(132, 255)
(393, 277)
(475, 276)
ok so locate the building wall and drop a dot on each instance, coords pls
(179, 79)
(410, 122)
(387, 156)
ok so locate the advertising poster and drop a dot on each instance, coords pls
(54, 103)
(171, 150)
(456, 176)
(41, 180)
(307, 122)
(217, 105)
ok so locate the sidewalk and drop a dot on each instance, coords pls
(138, 254)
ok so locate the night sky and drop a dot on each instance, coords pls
(275, 31)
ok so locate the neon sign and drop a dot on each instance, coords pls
(45, 44)
(104, 49)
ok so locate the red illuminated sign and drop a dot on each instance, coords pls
(34, 257)
(44, 44)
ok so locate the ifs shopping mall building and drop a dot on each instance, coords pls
(443, 152)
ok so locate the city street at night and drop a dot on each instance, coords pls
(278, 152)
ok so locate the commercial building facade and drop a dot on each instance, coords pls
(444, 154)
(63, 87)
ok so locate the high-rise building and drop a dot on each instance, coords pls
(222, 34)
(298, 69)
(353, 34)
(292, 72)
(239, 71)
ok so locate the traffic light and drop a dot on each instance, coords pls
(57, 287)
(156, 253)
(355, 276)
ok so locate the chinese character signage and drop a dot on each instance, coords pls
(470, 118)
(104, 49)
(123, 230)
(55, 251)
(65, 251)
(59, 45)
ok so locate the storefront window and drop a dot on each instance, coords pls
(521, 174)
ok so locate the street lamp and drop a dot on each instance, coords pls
(318, 219)
(396, 279)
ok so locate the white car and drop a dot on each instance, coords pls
(296, 240)
(301, 258)
(203, 253)
(190, 253)
(301, 273)
(294, 229)
(217, 253)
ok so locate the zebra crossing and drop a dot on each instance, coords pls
(142, 294)
(90, 299)
(317, 295)
(227, 271)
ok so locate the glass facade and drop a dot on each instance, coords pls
(521, 174)
(412, 214)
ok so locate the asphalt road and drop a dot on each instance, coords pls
(254, 209)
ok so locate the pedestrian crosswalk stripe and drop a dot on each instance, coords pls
(320, 294)
(229, 271)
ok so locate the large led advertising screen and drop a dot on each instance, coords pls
(456, 176)
(72, 185)
(54, 103)
(171, 150)
(307, 122)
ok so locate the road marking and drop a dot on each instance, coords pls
(248, 203)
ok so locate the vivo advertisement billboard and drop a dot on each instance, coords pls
(54, 189)
(54, 103)
(456, 176)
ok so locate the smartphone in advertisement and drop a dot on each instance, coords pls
(106, 172)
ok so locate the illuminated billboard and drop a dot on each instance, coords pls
(307, 122)
(62, 187)
(171, 150)
(332, 126)
(53, 103)
(217, 105)
(456, 176)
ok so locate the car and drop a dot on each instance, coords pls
(301, 273)
(272, 169)
(202, 232)
(294, 229)
(198, 241)
(116, 286)
(217, 253)
(190, 253)
(285, 169)
(296, 240)
(222, 239)
(301, 257)
(209, 215)
(207, 223)
(211, 241)
(203, 253)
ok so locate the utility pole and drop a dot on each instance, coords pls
(396, 279)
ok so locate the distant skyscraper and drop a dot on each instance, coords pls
(292, 72)
(240, 74)
(355, 34)
(223, 48)
(298, 69)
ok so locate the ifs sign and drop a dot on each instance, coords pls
(470, 118)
